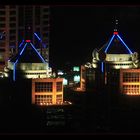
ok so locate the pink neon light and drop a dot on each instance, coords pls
(115, 33)
(28, 40)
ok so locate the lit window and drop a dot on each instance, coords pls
(43, 86)
(59, 86)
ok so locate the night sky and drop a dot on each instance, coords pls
(76, 30)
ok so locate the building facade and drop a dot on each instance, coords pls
(47, 91)
(130, 81)
(21, 22)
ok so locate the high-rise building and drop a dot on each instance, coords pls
(107, 62)
(22, 22)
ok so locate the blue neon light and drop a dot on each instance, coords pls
(102, 67)
(38, 53)
(40, 40)
(109, 43)
(23, 49)
(14, 73)
(124, 44)
(37, 37)
(21, 43)
(14, 70)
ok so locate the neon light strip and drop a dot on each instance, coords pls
(102, 67)
(23, 49)
(40, 40)
(109, 43)
(21, 43)
(38, 53)
(124, 44)
(37, 37)
(14, 70)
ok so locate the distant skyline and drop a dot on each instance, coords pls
(76, 30)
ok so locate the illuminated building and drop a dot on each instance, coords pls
(104, 70)
(74, 78)
(28, 64)
(19, 22)
(81, 79)
(47, 91)
(130, 81)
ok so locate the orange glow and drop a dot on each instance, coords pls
(133, 94)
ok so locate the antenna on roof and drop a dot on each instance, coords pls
(116, 25)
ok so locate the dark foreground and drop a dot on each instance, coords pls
(90, 113)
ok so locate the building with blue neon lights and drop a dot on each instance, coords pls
(109, 59)
(24, 21)
(28, 63)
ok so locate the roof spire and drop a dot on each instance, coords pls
(115, 28)
(116, 25)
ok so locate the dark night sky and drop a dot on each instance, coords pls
(77, 30)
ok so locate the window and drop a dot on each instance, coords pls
(2, 12)
(46, 9)
(130, 77)
(59, 86)
(131, 89)
(12, 6)
(45, 16)
(12, 37)
(43, 86)
(58, 98)
(12, 18)
(12, 24)
(12, 12)
(2, 19)
(43, 99)
(2, 25)
(12, 31)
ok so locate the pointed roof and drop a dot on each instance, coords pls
(116, 45)
(28, 54)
